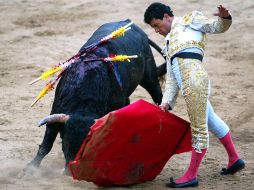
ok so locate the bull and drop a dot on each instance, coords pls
(89, 90)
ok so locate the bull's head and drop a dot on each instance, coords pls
(73, 129)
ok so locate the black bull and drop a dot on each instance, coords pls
(88, 91)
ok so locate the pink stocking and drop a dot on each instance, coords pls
(192, 171)
(230, 148)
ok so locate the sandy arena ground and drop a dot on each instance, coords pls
(36, 34)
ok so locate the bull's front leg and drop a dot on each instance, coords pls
(44, 149)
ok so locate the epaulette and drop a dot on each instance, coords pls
(188, 18)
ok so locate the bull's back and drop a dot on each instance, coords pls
(134, 42)
(134, 36)
(76, 85)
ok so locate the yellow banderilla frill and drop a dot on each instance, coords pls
(117, 33)
(44, 91)
(45, 75)
(121, 58)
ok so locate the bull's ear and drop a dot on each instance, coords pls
(55, 118)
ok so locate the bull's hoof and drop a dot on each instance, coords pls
(66, 171)
(21, 174)
(29, 170)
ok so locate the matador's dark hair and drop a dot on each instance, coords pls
(157, 11)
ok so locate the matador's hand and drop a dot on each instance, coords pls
(222, 12)
(165, 107)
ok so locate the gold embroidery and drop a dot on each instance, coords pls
(177, 41)
(177, 48)
(195, 84)
(173, 34)
(187, 19)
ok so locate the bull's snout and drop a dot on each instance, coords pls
(55, 118)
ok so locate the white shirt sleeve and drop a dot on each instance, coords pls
(171, 87)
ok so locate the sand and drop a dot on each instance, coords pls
(35, 35)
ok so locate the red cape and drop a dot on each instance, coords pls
(130, 145)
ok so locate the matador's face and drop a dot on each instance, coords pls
(163, 26)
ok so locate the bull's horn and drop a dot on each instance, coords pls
(55, 118)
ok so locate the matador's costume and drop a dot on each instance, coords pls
(184, 52)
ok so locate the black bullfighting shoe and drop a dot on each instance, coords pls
(192, 183)
(237, 166)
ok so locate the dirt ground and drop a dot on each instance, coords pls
(37, 34)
